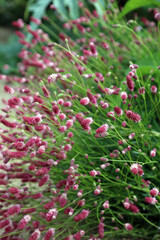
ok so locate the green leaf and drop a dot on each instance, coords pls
(100, 6)
(60, 5)
(134, 4)
(39, 8)
(71, 4)
(73, 8)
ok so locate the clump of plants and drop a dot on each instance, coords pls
(80, 132)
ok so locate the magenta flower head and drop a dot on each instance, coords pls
(81, 216)
(128, 226)
(136, 169)
(50, 233)
(102, 129)
(118, 111)
(154, 89)
(133, 116)
(35, 235)
(151, 200)
(157, 16)
(130, 83)
(106, 204)
(154, 192)
(13, 210)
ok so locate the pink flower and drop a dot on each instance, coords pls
(50, 233)
(106, 204)
(22, 224)
(98, 190)
(130, 83)
(154, 192)
(9, 89)
(91, 97)
(81, 216)
(35, 235)
(93, 173)
(153, 153)
(52, 214)
(56, 109)
(101, 230)
(154, 89)
(128, 226)
(141, 90)
(118, 111)
(133, 116)
(63, 200)
(35, 20)
(43, 180)
(102, 129)
(157, 16)
(123, 95)
(42, 171)
(151, 200)
(13, 210)
(78, 235)
(19, 23)
(84, 101)
(131, 136)
(136, 169)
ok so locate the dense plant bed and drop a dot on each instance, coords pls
(79, 151)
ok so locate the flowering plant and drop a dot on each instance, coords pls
(80, 143)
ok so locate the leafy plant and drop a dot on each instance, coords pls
(80, 155)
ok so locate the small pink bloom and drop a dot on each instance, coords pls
(9, 89)
(93, 173)
(154, 89)
(52, 214)
(106, 204)
(35, 20)
(124, 124)
(136, 169)
(153, 153)
(50, 233)
(133, 116)
(154, 192)
(151, 200)
(63, 129)
(81, 216)
(131, 136)
(35, 235)
(118, 111)
(130, 83)
(62, 116)
(43, 180)
(84, 101)
(128, 226)
(69, 123)
(101, 230)
(123, 95)
(13, 210)
(22, 224)
(141, 90)
(157, 16)
(102, 129)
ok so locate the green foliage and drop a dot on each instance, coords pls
(134, 4)
(8, 53)
(68, 9)
(72, 5)
(11, 10)
(37, 8)
(100, 6)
